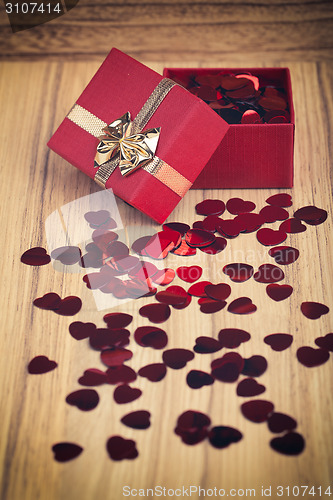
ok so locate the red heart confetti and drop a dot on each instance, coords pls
(279, 341)
(206, 345)
(184, 250)
(177, 358)
(102, 338)
(137, 419)
(229, 228)
(69, 306)
(248, 387)
(98, 217)
(284, 255)
(267, 236)
(197, 238)
(242, 305)
(172, 295)
(139, 245)
(210, 223)
(227, 368)
(198, 289)
(189, 273)
(216, 247)
(116, 249)
(292, 226)
(156, 313)
(121, 374)
(279, 422)
(150, 336)
(311, 215)
(93, 377)
(115, 356)
(249, 222)
(119, 448)
(49, 301)
(41, 364)
(68, 255)
(117, 320)
(325, 342)
(257, 410)
(313, 310)
(233, 337)
(210, 207)
(291, 443)
(310, 357)
(183, 304)
(254, 366)
(220, 291)
(63, 452)
(192, 427)
(209, 306)
(238, 206)
(154, 372)
(80, 331)
(36, 256)
(83, 399)
(280, 200)
(180, 227)
(273, 213)
(238, 272)
(125, 394)
(268, 273)
(103, 238)
(197, 379)
(221, 436)
(163, 276)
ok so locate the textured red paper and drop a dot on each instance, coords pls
(250, 155)
(190, 131)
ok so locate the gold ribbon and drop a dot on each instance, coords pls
(135, 148)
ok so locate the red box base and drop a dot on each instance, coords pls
(249, 156)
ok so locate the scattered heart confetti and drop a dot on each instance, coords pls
(119, 448)
(291, 443)
(272, 213)
(279, 341)
(163, 276)
(173, 295)
(197, 379)
(154, 372)
(267, 236)
(150, 336)
(104, 338)
(209, 306)
(280, 200)
(180, 227)
(311, 215)
(183, 304)
(249, 387)
(218, 292)
(190, 274)
(93, 377)
(139, 245)
(242, 305)
(63, 452)
(249, 222)
(36, 256)
(210, 207)
(268, 273)
(117, 320)
(69, 306)
(41, 364)
(233, 337)
(115, 356)
(257, 410)
(156, 313)
(125, 394)
(184, 250)
(68, 255)
(209, 223)
(206, 345)
(325, 342)
(137, 419)
(313, 310)
(221, 436)
(279, 422)
(292, 226)
(227, 368)
(238, 206)
(177, 358)
(197, 238)
(121, 374)
(310, 357)
(80, 331)
(49, 301)
(284, 255)
(83, 399)
(192, 427)
(116, 249)
(198, 289)
(230, 228)
(254, 366)
(238, 272)
(216, 247)
(98, 217)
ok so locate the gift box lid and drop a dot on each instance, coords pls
(190, 133)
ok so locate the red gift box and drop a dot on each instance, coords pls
(190, 133)
(249, 155)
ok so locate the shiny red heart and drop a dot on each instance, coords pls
(190, 274)
(279, 341)
(220, 291)
(268, 273)
(115, 356)
(150, 336)
(313, 310)
(292, 226)
(279, 292)
(93, 377)
(41, 364)
(197, 379)
(242, 305)
(119, 448)
(177, 358)
(238, 206)
(83, 399)
(312, 357)
(267, 236)
(154, 372)
(257, 410)
(284, 255)
(291, 443)
(36, 256)
(209, 306)
(80, 331)
(248, 387)
(280, 200)
(156, 313)
(198, 289)
(325, 342)
(125, 394)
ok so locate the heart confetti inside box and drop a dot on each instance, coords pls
(139, 134)
(251, 155)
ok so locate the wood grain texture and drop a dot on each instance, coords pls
(35, 182)
(218, 29)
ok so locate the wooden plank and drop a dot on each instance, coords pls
(34, 413)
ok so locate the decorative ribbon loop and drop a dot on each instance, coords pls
(134, 150)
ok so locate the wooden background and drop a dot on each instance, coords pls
(42, 72)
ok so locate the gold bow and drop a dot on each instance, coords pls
(135, 150)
